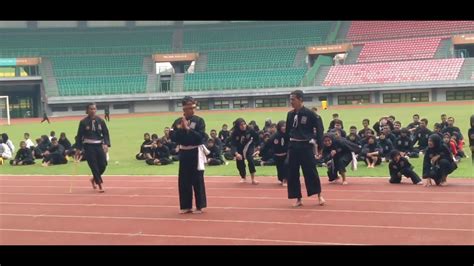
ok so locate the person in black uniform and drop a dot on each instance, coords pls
(145, 149)
(224, 133)
(279, 147)
(188, 132)
(335, 117)
(415, 124)
(107, 113)
(161, 154)
(337, 154)
(55, 154)
(404, 143)
(421, 135)
(386, 145)
(300, 125)
(438, 162)
(93, 136)
(42, 147)
(45, 118)
(450, 128)
(215, 155)
(400, 166)
(24, 156)
(265, 151)
(470, 134)
(65, 142)
(372, 152)
(444, 121)
(243, 146)
(365, 124)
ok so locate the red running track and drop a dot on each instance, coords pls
(143, 210)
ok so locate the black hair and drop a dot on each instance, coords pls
(298, 94)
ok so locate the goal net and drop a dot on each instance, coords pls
(4, 111)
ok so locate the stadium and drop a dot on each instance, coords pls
(140, 71)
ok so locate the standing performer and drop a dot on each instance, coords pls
(45, 117)
(93, 136)
(189, 132)
(280, 150)
(301, 124)
(107, 113)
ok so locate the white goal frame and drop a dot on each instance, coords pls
(8, 108)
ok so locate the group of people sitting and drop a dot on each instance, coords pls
(49, 149)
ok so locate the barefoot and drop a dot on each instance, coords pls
(101, 190)
(243, 180)
(428, 182)
(198, 211)
(443, 184)
(322, 201)
(254, 182)
(185, 211)
(93, 183)
(284, 183)
(298, 203)
(345, 183)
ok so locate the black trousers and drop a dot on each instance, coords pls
(189, 179)
(107, 117)
(55, 159)
(301, 154)
(339, 165)
(163, 161)
(241, 163)
(214, 161)
(97, 160)
(282, 167)
(45, 119)
(443, 168)
(408, 172)
(25, 162)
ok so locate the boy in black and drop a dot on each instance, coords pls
(107, 113)
(24, 156)
(215, 156)
(365, 124)
(386, 145)
(400, 166)
(224, 133)
(421, 135)
(145, 149)
(161, 154)
(55, 154)
(404, 144)
(45, 118)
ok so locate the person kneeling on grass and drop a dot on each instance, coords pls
(161, 154)
(24, 156)
(438, 162)
(399, 166)
(55, 154)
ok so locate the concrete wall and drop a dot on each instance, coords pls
(57, 24)
(13, 24)
(151, 106)
(105, 23)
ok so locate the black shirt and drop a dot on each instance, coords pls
(396, 167)
(451, 130)
(278, 143)
(65, 142)
(194, 137)
(214, 153)
(471, 136)
(94, 129)
(162, 152)
(421, 136)
(404, 144)
(303, 126)
(58, 149)
(386, 145)
(241, 138)
(361, 133)
(342, 148)
(223, 135)
(413, 125)
(24, 154)
(442, 151)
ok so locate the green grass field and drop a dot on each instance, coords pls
(127, 136)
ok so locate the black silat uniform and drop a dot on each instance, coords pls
(56, 155)
(144, 150)
(387, 147)
(396, 133)
(23, 155)
(470, 134)
(66, 144)
(223, 135)
(279, 147)
(215, 156)
(369, 148)
(402, 168)
(42, 147)
(266, 153)
(91, 135)
(243, 142)
(451, 131)
(107, 113)
(300, 127)
(162, 153)
(341, 159)
(421, 136)
(45, 118)
(444, 166)
(404, 144)
(413, 125)
(189, 177)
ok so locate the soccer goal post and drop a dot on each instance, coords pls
(4, 110)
